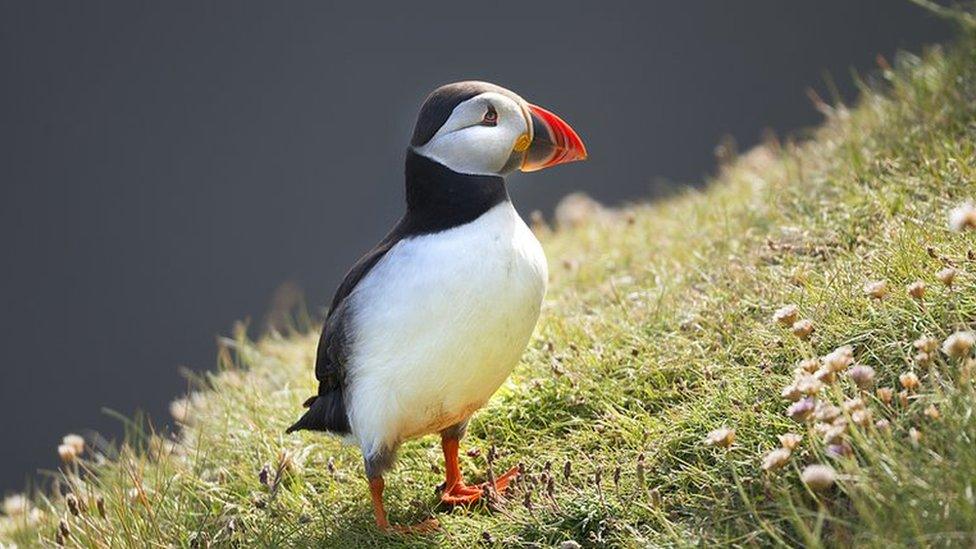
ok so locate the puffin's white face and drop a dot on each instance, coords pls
(480, 135)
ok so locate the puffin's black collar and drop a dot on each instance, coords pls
(439, 198)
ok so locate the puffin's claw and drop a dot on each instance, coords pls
(462, 494)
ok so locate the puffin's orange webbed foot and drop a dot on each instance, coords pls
(462, 494)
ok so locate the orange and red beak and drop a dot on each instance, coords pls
(553, 142)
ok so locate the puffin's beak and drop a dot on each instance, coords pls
(553, 142)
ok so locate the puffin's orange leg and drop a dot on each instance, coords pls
(376, 493)
(455, 491)
(379, 513)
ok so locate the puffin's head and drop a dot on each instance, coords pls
(482, 129)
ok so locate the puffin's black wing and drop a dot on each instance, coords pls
(327, 410)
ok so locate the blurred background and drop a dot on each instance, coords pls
(164, 169)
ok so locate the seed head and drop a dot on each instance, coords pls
(926, 344)
(776, 459)
(825, 376)
(966, 370)
(803, 328)
(801, 410)
(722, 437)
(852, 404)
(959, 344)
(133, 494)
(922, 358)
(947, 276)
(840, 449)
(932, 412)
(839, 359)
(862, 376)
(791, 392)
(882, 424)
(67, 453)
(569, 544)
(909, 381)
(861, 417)
(963, 217)
(834, 433)
(876, 289)
(885, 394)
(75, 441)
(822, 428)
(809, 365)
(63, 528)
(100, 505)
(180, 410)
(916, 289)
(16, 505)
(786, 315)
(808, 384)
(818, 477)
(903, 398)
(568, 467)
(790, 441)
(73, 505)
(538, 222)
(798, 276)
(827, 413)
(915, 435)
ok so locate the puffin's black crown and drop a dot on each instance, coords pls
(439, 105)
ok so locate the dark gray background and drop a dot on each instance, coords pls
(165, 168)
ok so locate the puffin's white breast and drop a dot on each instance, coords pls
(438, 325)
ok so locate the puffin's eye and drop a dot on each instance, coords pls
(491, 116)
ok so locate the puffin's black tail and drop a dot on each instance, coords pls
(325, 413)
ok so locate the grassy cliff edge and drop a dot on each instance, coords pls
(653, 404)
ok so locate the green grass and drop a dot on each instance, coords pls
(657, 330)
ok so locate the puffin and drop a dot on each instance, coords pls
(427, 325)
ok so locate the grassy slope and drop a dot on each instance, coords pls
(656, 331)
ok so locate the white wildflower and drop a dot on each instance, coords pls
(916, 289)
(947, 276)
(909, 381)
(959, 344)
(786, 315)
(16, 505)
(790, 440)
(776, 459)
(75, 441)
(877, 289)
(803, 328)
(723, 437)
(818, 477)
(839, 359)
(963, 217)
(863, 376)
